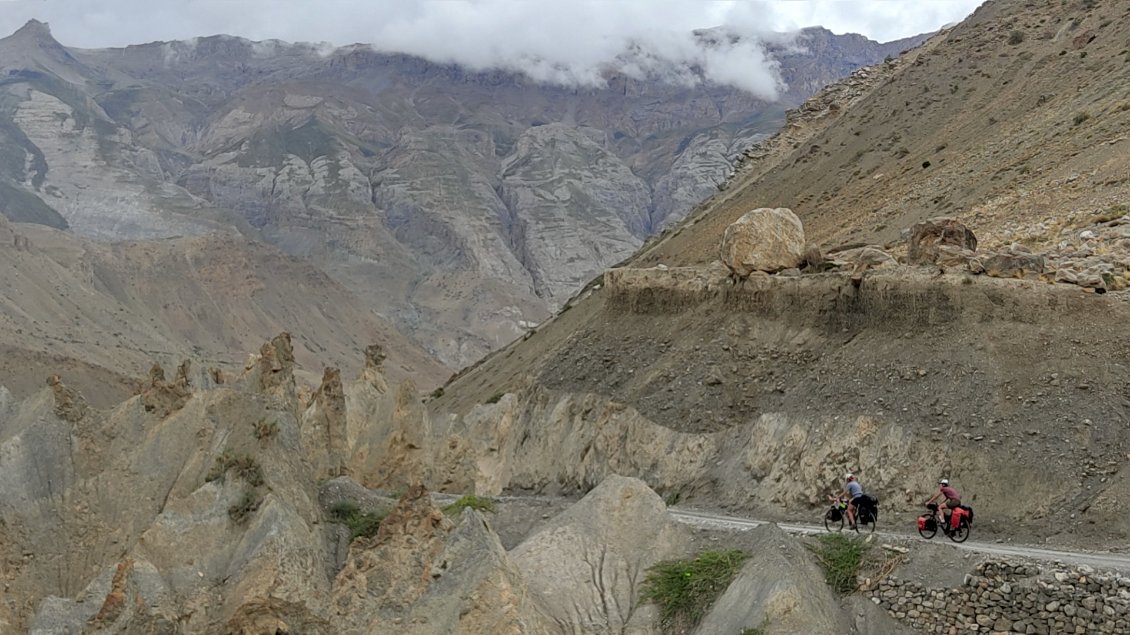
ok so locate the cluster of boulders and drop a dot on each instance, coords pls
(771, 241)
(1002, 597)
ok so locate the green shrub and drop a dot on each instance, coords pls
(685, 590)
(1080, 117)
(244, 465)
(360, 524)
(1015, 37)
(841, 557)
(480, 503)
(496, 397)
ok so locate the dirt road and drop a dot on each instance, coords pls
(1099, 560)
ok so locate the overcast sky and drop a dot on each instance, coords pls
(554, 40)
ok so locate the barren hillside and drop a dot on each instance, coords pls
(99, 313)
(760, 394)
(1014, 121)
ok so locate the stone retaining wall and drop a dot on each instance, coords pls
(1012, 598)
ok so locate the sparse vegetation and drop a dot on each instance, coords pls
(841, 557)
(244, 465)
(685, 590)
(360, 524)
(246, 506)
(437, 393)
(265, 430)
(481, 503)
(672, 499)
(1111, 213)
(1015, 37)
(495, 397)
(1080, 117)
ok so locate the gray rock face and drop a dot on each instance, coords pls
(929, 239)
(765, 239)
(779, 587)
(617, 530)
(463, 205)
(576, 206)
(1012, 265)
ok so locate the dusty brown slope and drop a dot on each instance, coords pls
(1004, 385)
(1020, 112)
(114, 310)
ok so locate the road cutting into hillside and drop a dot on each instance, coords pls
(1108, 561)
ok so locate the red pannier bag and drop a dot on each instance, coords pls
(955, 517)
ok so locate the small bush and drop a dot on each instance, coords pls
(841, 558)
(437, 393)
(246, 506)
(265, 430)
(685, 590)
(360, 524)
(1015, 37)
(1080, 117)
(220, 466)
(496, 397)
(480, 503)
(244, 465)
(672, 499)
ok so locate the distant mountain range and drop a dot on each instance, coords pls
(462, 206)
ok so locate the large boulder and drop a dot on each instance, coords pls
(1013, 265)
(869, 256)
(766, 239)
(926, 237)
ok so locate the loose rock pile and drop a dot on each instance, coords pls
(1095, 258)
(1013, 598)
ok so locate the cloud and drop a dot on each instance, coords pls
(560, 41)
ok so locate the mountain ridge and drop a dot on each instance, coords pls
(389, 172)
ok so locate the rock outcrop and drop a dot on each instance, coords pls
(929, 237)
(162, 397)
(424, 574)
(765, 239)
(596, 551)
(779, 588)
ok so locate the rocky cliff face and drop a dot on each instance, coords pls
(226, 529)
(103, 314)
(464, 206)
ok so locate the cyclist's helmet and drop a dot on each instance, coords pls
(849, 477)
(944, 481)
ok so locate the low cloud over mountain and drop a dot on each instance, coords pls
(570, 43)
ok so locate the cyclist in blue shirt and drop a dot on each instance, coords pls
(853, 493)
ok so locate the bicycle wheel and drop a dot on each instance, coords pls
(831, 522)
(869, 523)
(929, 531)
(961, 534)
